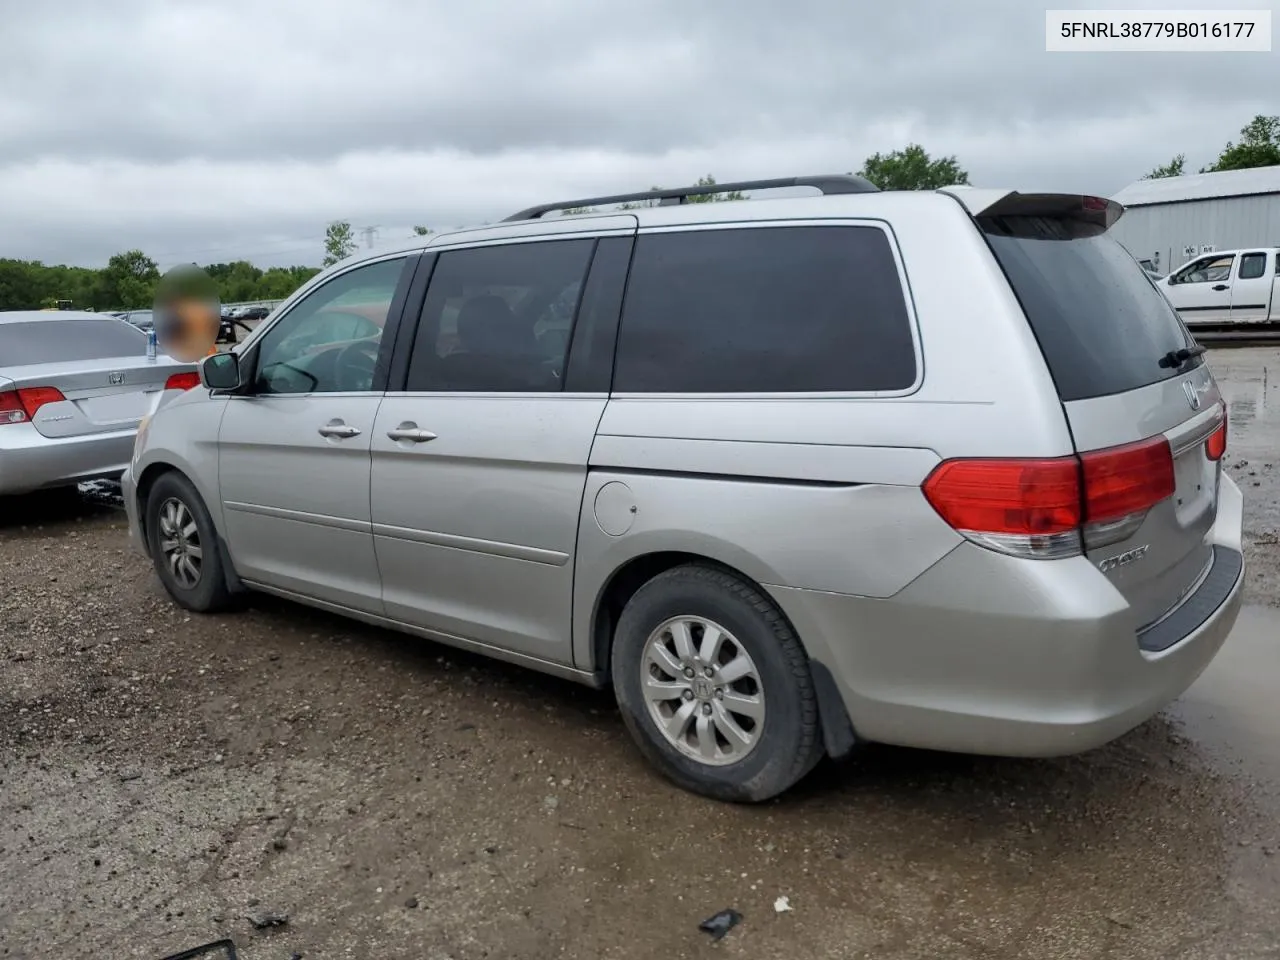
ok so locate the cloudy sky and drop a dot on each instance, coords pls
(231, 129)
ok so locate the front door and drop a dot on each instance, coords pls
(1251, 291)
(1201, 291)
(294, 449)
(479, 464)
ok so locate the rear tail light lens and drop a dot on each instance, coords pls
(1216, 446)
(20, 406)
(1120, 481)
(1025, 508)
(11, 410)
(1046, 509)
(182, 381)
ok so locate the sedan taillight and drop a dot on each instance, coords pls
(20, 406)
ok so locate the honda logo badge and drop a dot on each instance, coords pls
(1193, 395)
(115, 379)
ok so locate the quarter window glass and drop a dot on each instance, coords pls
(499, 318)
(329, 341)
(765, 310)
(1252, 266)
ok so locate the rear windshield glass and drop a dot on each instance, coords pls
(52, 341)
(1101, 323)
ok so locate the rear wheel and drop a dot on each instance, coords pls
(714, 686)
(184, 545)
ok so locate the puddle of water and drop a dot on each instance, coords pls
(102, 492)
(1246, 379)
(1233, 710)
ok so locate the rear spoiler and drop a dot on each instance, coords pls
(1096, 211)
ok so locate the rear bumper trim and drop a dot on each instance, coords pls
(1224, 572)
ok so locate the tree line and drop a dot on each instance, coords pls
(128, 282)
(1258, 146)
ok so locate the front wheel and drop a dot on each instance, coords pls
(184, 545)
(714, 686)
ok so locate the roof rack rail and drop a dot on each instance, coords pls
(833, 183)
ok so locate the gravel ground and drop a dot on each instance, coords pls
(164, 778)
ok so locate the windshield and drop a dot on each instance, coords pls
(1101, 323)
(53, 341)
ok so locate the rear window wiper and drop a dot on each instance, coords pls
(1176, 358)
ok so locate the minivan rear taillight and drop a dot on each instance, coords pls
(1216, 446)
(1047, 509)
(20, 406)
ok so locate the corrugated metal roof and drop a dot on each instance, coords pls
(1201, 186)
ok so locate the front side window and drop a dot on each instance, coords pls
(499, 318)
(329, 341)
(765, 310)
(1206, 270)
(1252, 266)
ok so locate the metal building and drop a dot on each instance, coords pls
(1173, 219)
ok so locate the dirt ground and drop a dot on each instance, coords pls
(164, 777)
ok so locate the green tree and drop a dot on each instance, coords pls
(707, 181)
(1174, 168)
(129, 280)
(710, 181)
(639, 204)
(339, 242)
(422, 231)
(912, 169)
(1259, 146)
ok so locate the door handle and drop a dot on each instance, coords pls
(338, 429)
(412, 432)
(1219, 286)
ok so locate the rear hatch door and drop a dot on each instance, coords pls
(1127, 371)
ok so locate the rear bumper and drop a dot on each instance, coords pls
(30, 461)
(990, 654)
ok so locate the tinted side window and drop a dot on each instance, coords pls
(499, 319)
(765, 310)
(1252, 266)
(595, 332)
(329, 341)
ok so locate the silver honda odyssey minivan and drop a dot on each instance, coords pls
(940, 469)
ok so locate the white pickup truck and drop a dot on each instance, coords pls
(1227, 286)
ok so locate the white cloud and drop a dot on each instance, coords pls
(217, 130)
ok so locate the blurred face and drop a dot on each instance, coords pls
(187, 328)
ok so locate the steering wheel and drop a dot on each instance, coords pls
(354, 365)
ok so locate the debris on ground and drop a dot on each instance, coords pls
(265, 919)
(782, 905)
(721, 923)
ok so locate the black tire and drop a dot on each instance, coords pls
(790, 741)
(209, 593)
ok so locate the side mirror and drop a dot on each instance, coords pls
(220, 371)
